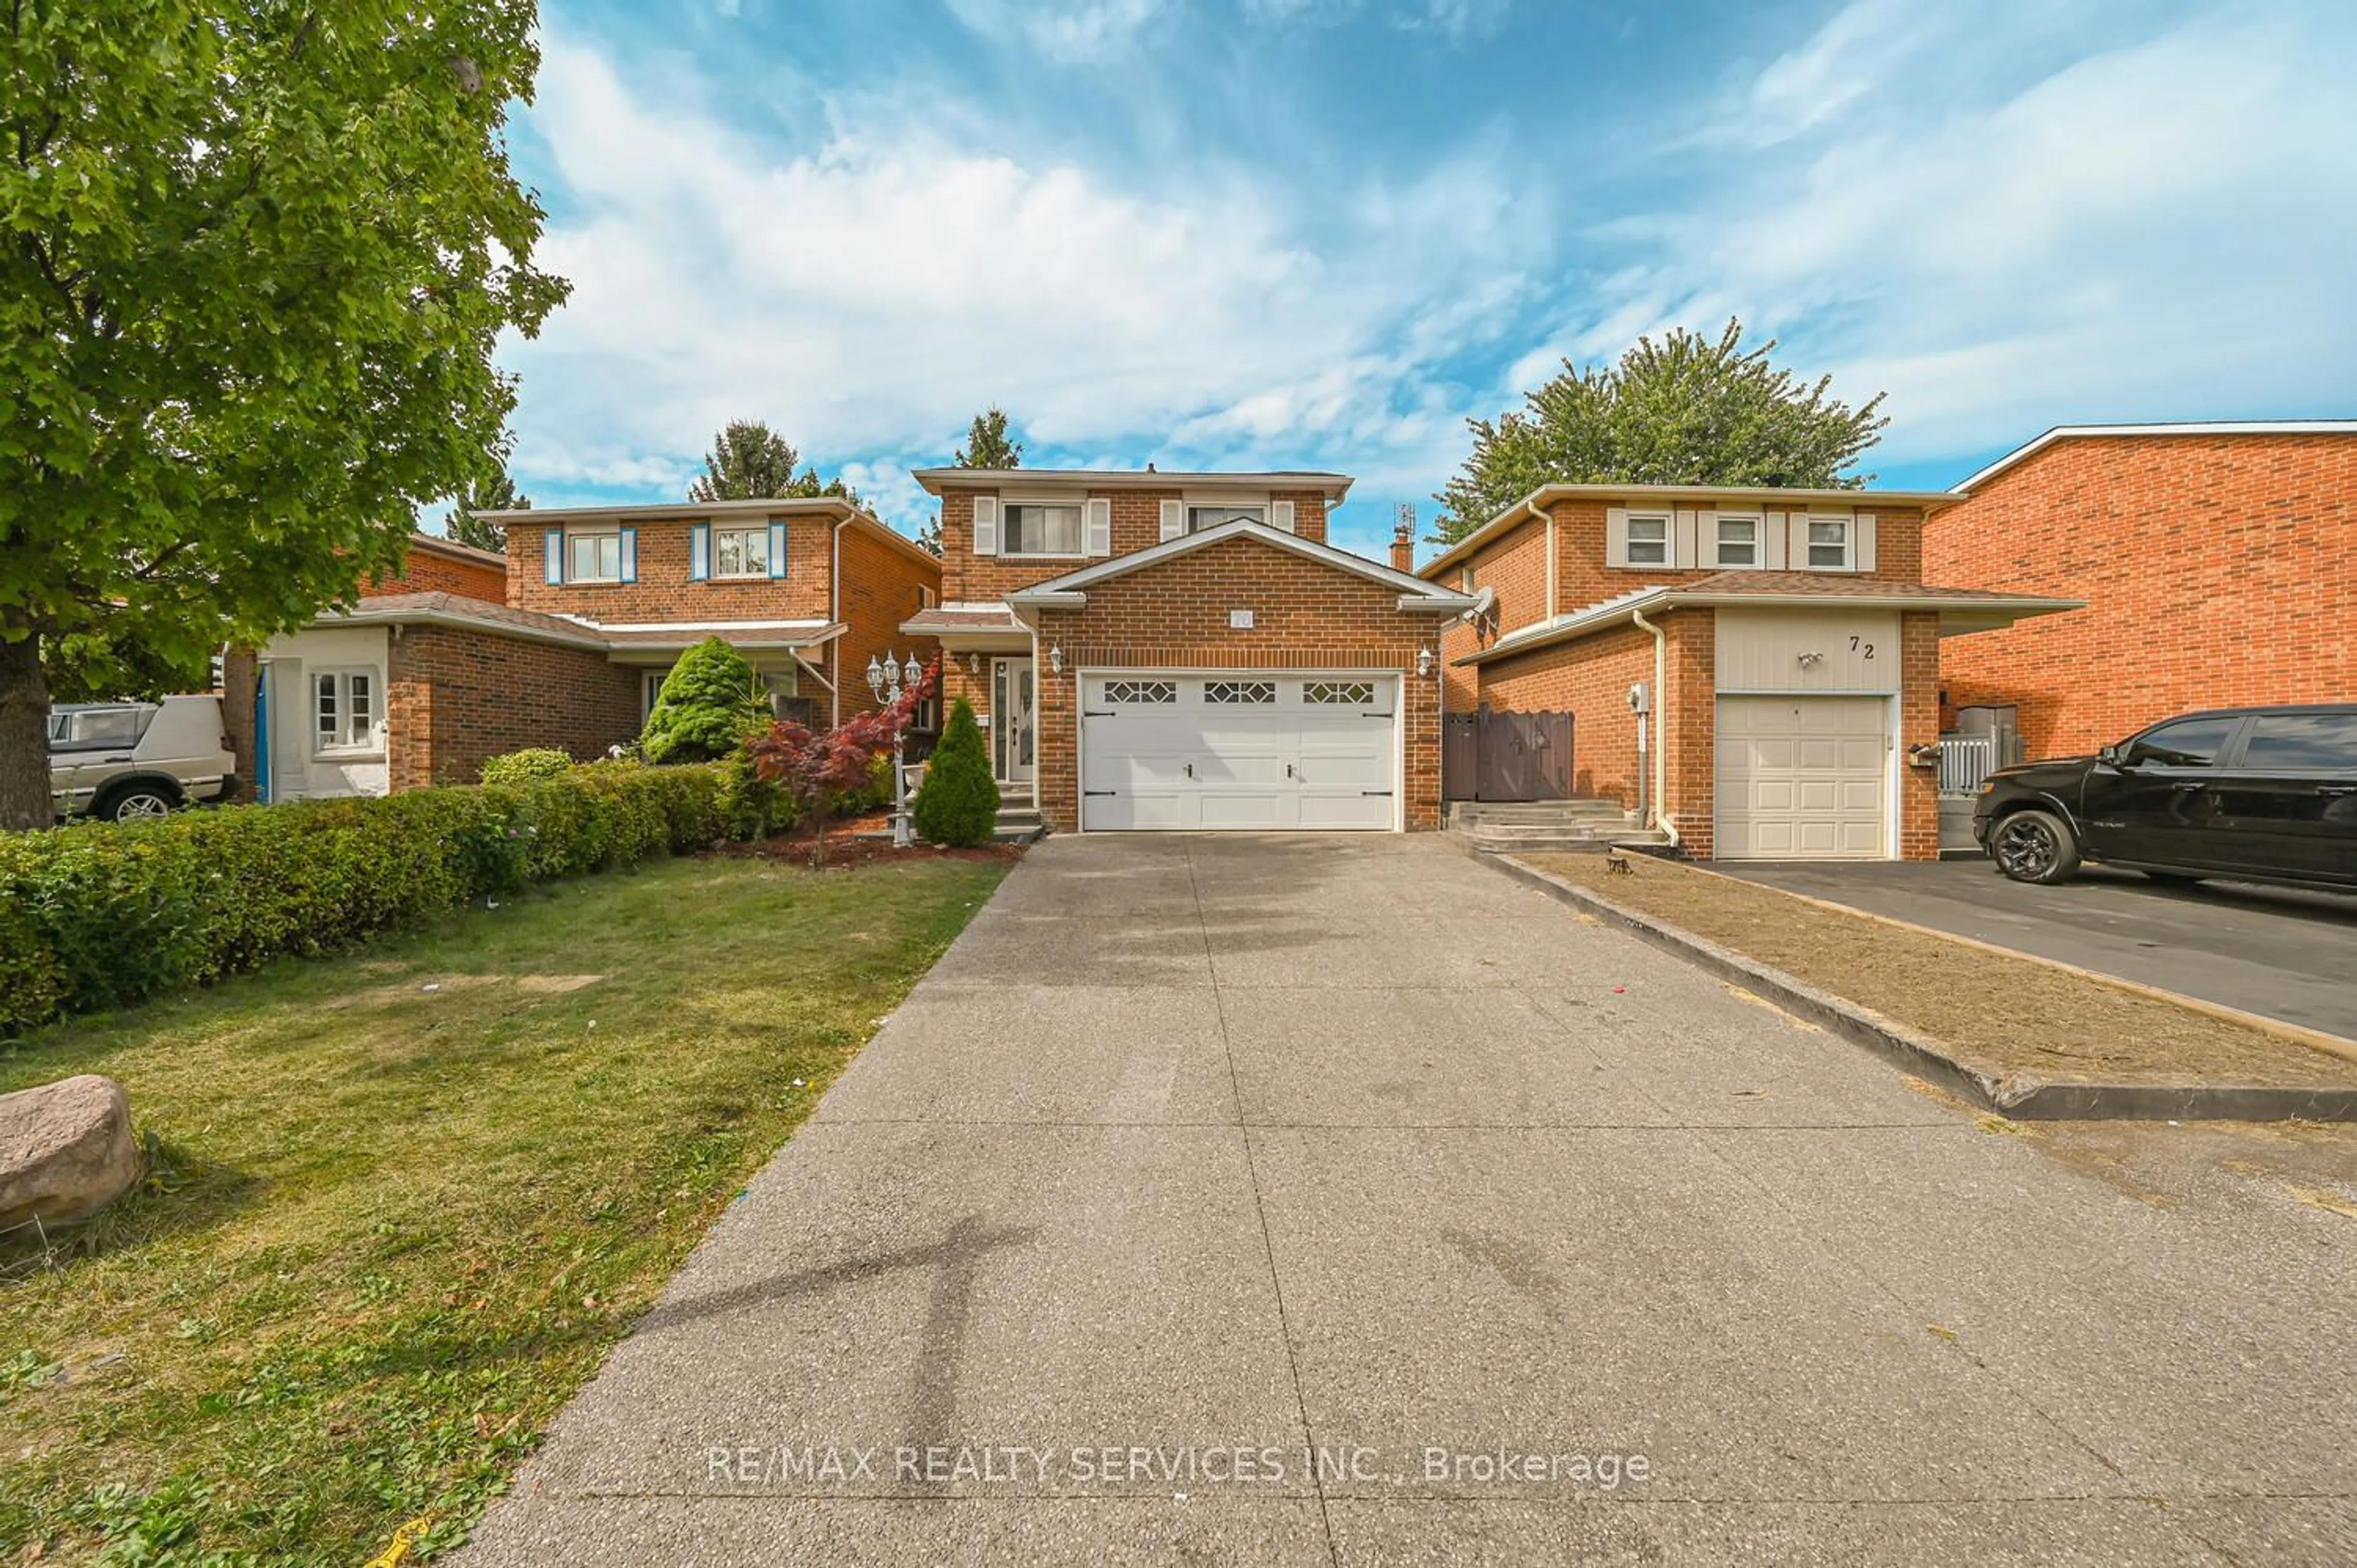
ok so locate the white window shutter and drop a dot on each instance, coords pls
(1682, 539)
(1280, 515)
(1100, 525)
(1616, 536)
(985, 525)
(553, 541)
(1772, 540)
(1796, 533)
(1862, 547)
(1174, 519)
(777, 550)
(699, 552)
(1705, 538)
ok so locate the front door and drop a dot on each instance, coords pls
(1012, 708)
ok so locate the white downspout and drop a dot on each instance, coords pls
(1660, 717)
(834, 615)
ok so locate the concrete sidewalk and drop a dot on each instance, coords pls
(1276, 1200)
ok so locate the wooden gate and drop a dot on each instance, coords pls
(1491, 756)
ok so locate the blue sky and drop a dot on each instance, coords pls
(1322, 233)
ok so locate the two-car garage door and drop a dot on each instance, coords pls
(1803, 778)
(1247, 750)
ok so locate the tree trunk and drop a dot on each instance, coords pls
(24, 736)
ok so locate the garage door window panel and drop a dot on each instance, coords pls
(1226, 694)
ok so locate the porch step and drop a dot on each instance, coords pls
(1469, 815)
(1020, 824)
(1525, 841)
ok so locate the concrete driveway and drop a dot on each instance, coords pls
(1286, 1201)
(2285, 954)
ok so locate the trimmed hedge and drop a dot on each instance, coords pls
(524, 766)
(103, 914)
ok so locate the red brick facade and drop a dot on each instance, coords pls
(455, 697)
(438, 566)
(2220, 570)
(1306, 614)
(1589, 677)
(968, 578)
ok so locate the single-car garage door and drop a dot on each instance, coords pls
(1239, 751)
(1803, 778)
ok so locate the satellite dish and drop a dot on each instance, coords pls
(1484, 601)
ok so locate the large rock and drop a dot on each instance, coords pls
(66, 1150)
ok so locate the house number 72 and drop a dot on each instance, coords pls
(1857, 646)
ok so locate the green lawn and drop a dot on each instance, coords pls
(393, 1229)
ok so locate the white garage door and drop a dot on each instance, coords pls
(1244, 751)
(1803, 778)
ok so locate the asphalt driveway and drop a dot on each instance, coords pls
(2285, 954)
(1276, 1200)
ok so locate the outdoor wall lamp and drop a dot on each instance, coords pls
(973, 663)
(1056, 658)
(1423, 660)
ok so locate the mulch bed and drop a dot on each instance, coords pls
(847, 850)
(2001, 1016)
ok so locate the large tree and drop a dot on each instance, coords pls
(749, 461)
(1688, 410)
(987, 444)
(499, 493)
(253, 259)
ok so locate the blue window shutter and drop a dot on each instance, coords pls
(554, 542)
(699, 552)
(777, 550)
(630, 555)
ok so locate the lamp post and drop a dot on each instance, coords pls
(885, 680)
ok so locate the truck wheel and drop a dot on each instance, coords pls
(2035, 846)
(138, 803)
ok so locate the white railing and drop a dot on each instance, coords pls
(1965, 761)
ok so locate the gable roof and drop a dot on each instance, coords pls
(439, 545)
(1334, 486)
(506, 621)
(1070, 591)
(1960, 609)
(2214, 427)
(1524, 509)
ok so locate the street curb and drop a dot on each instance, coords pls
(2023, 1099)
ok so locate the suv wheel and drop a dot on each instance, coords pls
(139, 803)
(2035, 846)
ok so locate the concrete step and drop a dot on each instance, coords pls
(1523, 841)
(1469, 813)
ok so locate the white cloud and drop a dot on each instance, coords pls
(867, 298)
(1070, 31)
(1459, 21)
(2160, 231)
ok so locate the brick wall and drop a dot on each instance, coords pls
(427, 570)
(2219, 571)
(1588, 679)
(455, 697)
(968, 578)
(1306, 616)
(663, 591)
(880, 590)
(1919, 725)
(1515, 566)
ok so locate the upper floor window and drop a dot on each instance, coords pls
(1040, 528)
(926, 598)
(741, 552)
(1829, 543)
(593, 557)
(1465, 579)
(1649, 540)
(1200, 517)
(1738, 541)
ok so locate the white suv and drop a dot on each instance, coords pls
(124, 761)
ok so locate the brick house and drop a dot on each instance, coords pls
(1782, 643)
(2219, 564)
(1185, 650)
(430, 674)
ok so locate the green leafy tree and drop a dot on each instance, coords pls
(257, 256)
(959, 802)
(497, 494)
(109, 660)
(749, 461)
(986, 445)
(708, 704)
(1686, 411)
